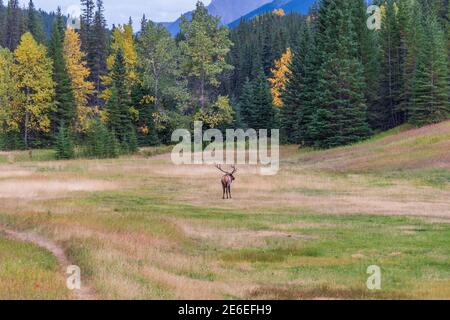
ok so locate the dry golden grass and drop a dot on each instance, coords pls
(142, 228)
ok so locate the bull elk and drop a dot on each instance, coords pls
(227, 180)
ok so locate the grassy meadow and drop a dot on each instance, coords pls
(141, 228)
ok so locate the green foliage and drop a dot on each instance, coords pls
(257, 44)
(64, 144)
(147, 134)
(205, 45)
(12, 25)
(343, 80)
(218, 114)
(11, 140)
(390, 113)
(299, 94)
(119, 115)
(256, 104)
(263, 109)
(35, 24)
(431, 82)
(65, 112)
(246, 104)
(100, 142)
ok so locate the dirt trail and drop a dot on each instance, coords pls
(86, 292)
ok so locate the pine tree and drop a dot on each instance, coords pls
(119, 117)
(64, 145)
(147, 133)
(257, 43)
(246, 104)
(87, 22)
(65, 112)
(100, 142)
(263, 109)
(13, 21)
(98, 53)
(341, 117)
(370, 55)
(392, 112)
(431, 83)
(299, 94)
(35, 25)
(2, 22)
(122, 39)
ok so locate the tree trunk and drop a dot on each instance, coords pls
(202, 91)
(27, 119)
(26, 128)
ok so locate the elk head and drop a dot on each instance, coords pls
(230, 174)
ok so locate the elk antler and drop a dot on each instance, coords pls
(234, 169)
(220, 168)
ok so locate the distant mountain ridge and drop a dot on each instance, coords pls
(299, 6)
(228, 10)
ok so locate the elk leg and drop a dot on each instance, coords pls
(229, 191)
(224, 190)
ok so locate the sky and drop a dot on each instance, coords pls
(118, 11)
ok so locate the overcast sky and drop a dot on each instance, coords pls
(118, 11)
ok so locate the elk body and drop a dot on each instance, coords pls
(227, 180)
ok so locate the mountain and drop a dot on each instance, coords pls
(228, 10)
(299, 6)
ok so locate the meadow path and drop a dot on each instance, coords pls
(86, 292)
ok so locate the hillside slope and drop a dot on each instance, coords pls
(400, 149)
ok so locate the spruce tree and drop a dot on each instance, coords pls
(408, 12)
(2, 22)
(119, 117)
(64, 144)
(263, 113)
(98, 52)
(299, 94)
(35, 24)
(65, 112)
(87, 22)
(342, 112)
(246, 104)
(370, 55)
(12, 29)
(147, 134)
(392, 85)
(431, 81)
(100, 142)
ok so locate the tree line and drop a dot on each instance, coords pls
(122, 88)
(336, 82)
(324, 79)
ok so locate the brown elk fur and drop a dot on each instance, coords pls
(227, 180)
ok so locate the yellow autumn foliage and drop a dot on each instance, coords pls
(8, 92)
(32, 72)
(122, 38)
(79, 74)
(279, 79)
(279, 12)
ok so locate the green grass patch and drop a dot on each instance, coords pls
(439, 178)
(29, 272)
